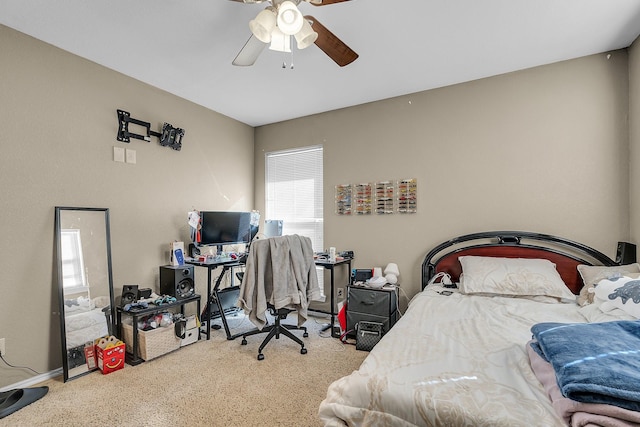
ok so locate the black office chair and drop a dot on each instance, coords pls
(278, 328)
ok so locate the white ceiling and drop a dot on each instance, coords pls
(186, 46)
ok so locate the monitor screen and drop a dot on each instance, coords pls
(225, 228)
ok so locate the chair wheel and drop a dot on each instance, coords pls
(306, 334)
(261, 356)
(244, 341)
(303, 350)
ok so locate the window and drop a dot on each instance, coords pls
(294, 193)
(72, 262)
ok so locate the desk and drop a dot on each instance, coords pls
(330, 265)
(212, 294)
(136, 313)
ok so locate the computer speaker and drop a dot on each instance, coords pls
(177, 281)
(129, 294)
(626, 253)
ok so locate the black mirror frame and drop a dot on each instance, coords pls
(58, 242)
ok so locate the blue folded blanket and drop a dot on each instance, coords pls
(594, 362)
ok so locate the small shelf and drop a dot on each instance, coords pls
(363, 197)
(133, 358)
(408, 195)
(343, 199)
(384, 193)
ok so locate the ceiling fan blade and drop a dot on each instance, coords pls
(255, 1)
(321, 2)
(249, 52)
(335, 48)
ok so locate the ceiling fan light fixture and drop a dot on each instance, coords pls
(264, 23)
(289, 20)
(280, 41)
(306, 36)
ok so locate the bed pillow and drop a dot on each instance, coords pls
(512, 277)
(77, 305)
(622, 293)
(100, 302)
(592, 274)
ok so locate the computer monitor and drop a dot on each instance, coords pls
(226, 228)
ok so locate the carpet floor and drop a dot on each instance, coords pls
(208, 383)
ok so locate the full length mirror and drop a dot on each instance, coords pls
(85, 284)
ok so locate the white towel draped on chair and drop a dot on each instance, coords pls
(280, 271)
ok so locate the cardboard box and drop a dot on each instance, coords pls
(175, 246)
(192, 322)
(190, 336)
(90, 355)
(111, 358)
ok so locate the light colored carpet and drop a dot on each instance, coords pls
(208, 383)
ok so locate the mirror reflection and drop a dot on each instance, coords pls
(85, 284)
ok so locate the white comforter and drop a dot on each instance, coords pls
(453, 360)
(82, 327)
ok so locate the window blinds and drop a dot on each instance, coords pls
(294, 192)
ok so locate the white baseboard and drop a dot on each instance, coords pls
(33, 380)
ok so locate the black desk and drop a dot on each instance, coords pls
(212, 294)
(330, 265)
(136, 313)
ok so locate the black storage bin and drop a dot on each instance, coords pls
(371, 305)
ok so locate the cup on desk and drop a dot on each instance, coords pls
(332, 254)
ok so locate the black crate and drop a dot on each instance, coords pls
(371, 305)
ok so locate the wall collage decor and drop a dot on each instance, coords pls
(383, 197)
(343, 199)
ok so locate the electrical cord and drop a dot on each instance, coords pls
(404, 294)
(18, 367)
(400, 292)
(344, 336)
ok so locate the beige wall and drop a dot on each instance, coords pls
(634, 139)
(541, 150)
(58, 132)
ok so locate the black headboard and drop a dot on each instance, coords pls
(566, 254)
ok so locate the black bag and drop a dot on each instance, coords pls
(368, 334)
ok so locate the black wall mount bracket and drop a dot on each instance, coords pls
(169, 137)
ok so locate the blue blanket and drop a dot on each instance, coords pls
(594, 362)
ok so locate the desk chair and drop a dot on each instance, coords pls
(276, 329)
(278, 267)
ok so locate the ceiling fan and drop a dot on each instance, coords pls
(280, 22)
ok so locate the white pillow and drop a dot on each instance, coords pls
(622, 293)
(592, 274)
(512, 276)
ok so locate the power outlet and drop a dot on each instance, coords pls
(340, 292)
(2, 349)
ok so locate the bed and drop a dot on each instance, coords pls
(460, 356)
(85, 320)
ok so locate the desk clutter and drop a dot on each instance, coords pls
(176, 283)
(158, 328)
(376, 278)
(155, 300)
(218, 258)
(332, 255)
(161, 333)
